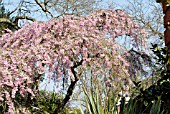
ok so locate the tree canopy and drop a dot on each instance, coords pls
(64, 48)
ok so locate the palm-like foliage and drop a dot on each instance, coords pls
(96, 105)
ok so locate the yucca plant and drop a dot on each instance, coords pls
(156, 108)
(95, 104)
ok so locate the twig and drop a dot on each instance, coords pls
(43, 8)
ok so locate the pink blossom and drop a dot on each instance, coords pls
(14, 90)
(60, 45)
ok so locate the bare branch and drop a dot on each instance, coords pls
(141, 14)
(43, 8)
(13, 11)
(23, 17)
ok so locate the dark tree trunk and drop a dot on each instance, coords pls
(70, 89)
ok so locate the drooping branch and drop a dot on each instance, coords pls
(143, 55)
(70, 89)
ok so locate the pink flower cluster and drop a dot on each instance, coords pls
(56, 45)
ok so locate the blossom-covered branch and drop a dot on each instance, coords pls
(63, 47)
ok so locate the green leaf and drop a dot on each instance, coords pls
(168, 2)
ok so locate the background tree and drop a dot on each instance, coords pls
(150, 17)
(48, 9)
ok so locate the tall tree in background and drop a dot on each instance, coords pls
(47, 9)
